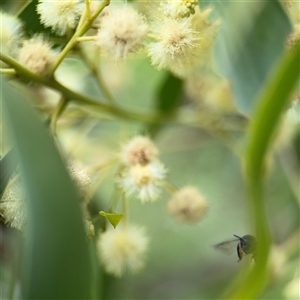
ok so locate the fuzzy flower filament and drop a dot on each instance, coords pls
(60, 15)
(37, 55)
(187, 205)
(122, 31)
(122, 249)
(10, 33)
(139, 150)
(143, 181)
(13, 206)
(177, 48)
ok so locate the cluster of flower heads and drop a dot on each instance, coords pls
(179, 38)
(143, 173)
(143, 176)
(35, 53)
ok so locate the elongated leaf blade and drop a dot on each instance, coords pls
(57, 262)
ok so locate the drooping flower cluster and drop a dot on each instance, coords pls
(122, 249)
(143, 174)
(60, 15)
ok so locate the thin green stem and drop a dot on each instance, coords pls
(104, 164)
(86, 38)
(125, 209)
(22, 8)
(62, 104)
(88, 9)
(96, 72)
(10, 71)
(115, 200)
(170, 187)
(153, 37)
(80, 32)
(74, 96)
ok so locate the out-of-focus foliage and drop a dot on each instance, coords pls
(51, 236)
(249, 45)
(243, 158)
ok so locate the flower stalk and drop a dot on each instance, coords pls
(79, 32)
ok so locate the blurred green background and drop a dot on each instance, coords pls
(181, 262)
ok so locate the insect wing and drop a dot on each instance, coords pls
(227, 247)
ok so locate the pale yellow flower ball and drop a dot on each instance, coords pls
(60, 15)
(123, 31)
(37, 55)
(177, 48)
(187, 205)
(11, 34)
(139, 150)
(122, 249)
(143, 181)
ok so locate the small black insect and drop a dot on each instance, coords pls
(246, 245)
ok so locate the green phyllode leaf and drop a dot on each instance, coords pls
(272, 102)
(251, 40)
(114, 219)
(167, 101)
(57, 262)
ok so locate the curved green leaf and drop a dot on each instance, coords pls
(272, 101)
(57, 262)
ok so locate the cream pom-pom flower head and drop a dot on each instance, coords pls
(143, 181)
(37, 55)
(187, 205)
(139, 150)
(10, 33)
(60, 15)
(122, 31)
(177, 47)
(122, 249)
